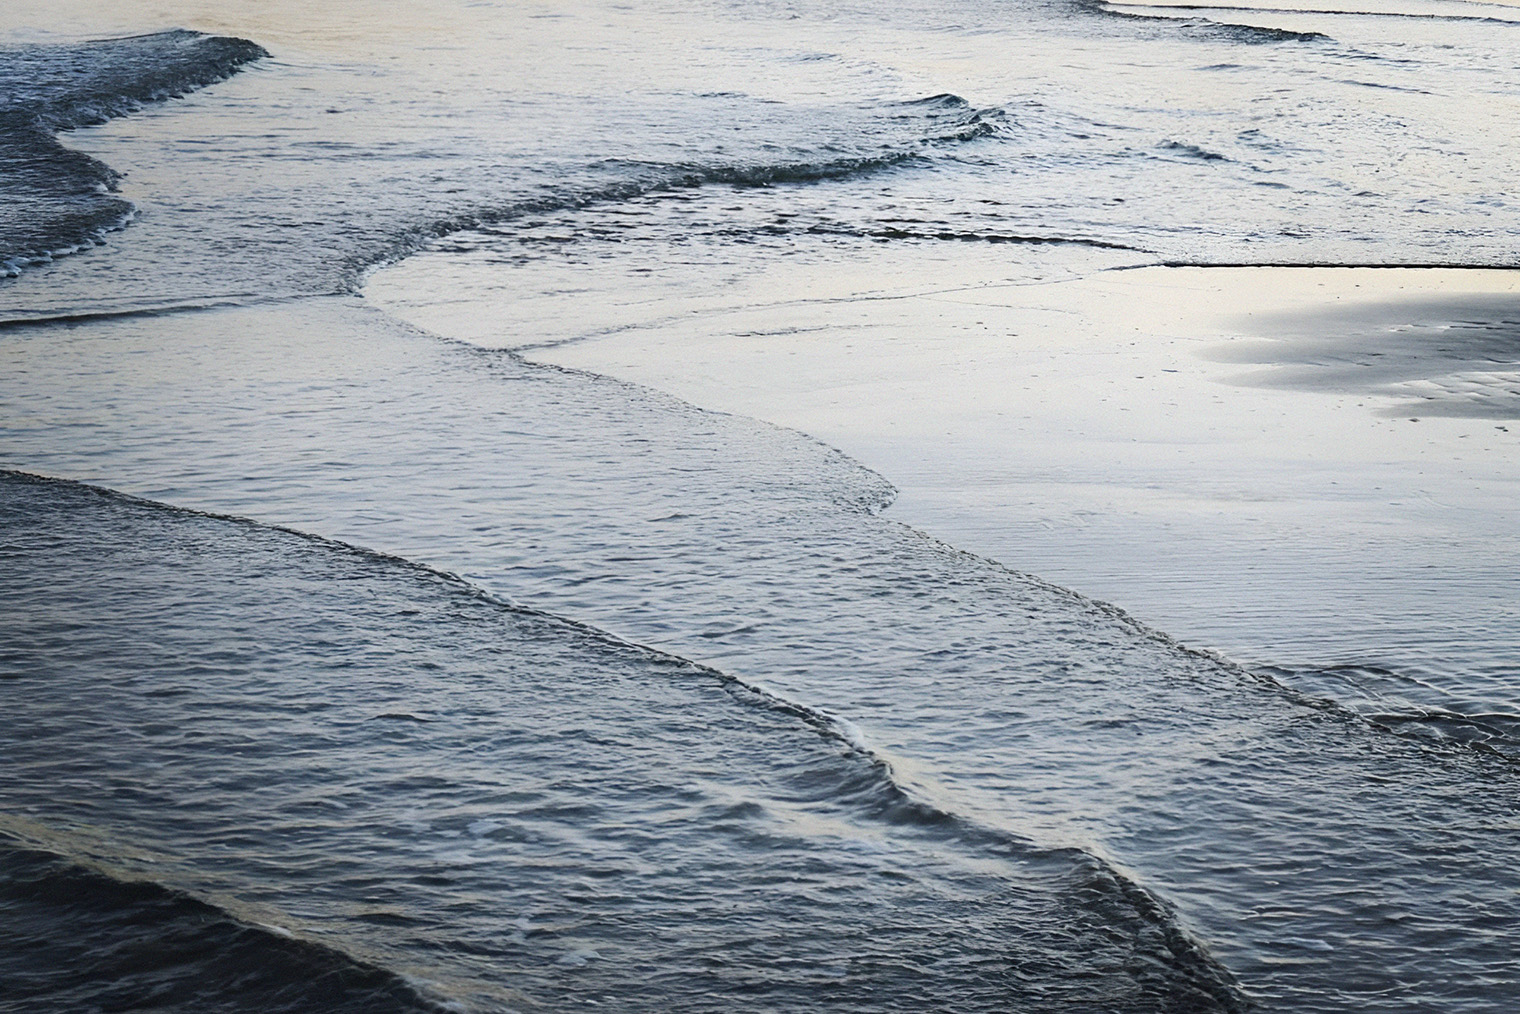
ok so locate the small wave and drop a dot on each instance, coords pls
(23, 318)
(1348, 12)
(1168, 960)
(1385, 87)
(682, 176)
(954, 236)
(78, 937)
(1495, 730)
(1192, 151)
(930, 122)
(63, 87)
(1252, 34)
(60, 201)
(1258, 35)
(925, 124)
(1455, 264)
(1249, 34)
(1396, 703)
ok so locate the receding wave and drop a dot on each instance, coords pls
(59, 201)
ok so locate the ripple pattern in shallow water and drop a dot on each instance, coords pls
(506, 809)
(1330, 865)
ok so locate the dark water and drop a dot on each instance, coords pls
(58, 200)
(501, 806)
(491, 686)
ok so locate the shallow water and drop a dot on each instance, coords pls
(499, 806)
(502, 686)
(1016, 705)
(1111, 432)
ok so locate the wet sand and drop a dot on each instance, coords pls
(1311, 469)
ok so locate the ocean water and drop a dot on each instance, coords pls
(349, 666)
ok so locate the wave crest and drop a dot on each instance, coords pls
(59, 201)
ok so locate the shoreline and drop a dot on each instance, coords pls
(1150, 436)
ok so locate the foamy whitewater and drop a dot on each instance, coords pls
(451, 556)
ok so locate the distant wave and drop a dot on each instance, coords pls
(59, 201)
(63, 87)
(924, 125)
(1192, 151)
(1324, 12)
(892, 232)
(931, 121)
(1249, 34)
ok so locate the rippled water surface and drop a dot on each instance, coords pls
(993, 696)
(498, 805)
(348, 667)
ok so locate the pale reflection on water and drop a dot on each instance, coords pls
(897, 230)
